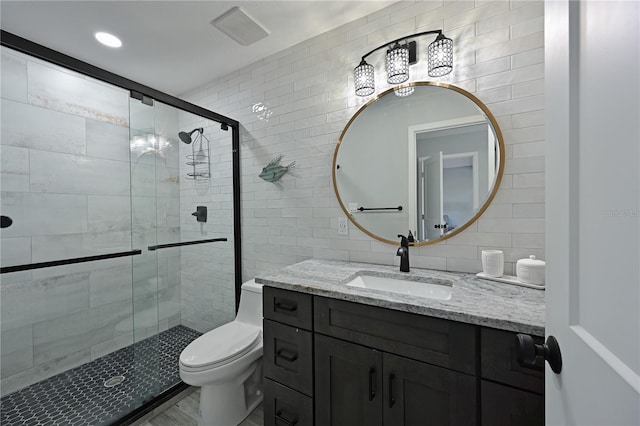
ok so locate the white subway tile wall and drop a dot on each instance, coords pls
(297, 102)
(207, 271)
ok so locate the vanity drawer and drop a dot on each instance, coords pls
(432, 340)
(499, 361)
(288, 307)
(506, 406)
(284, 407)
(288, 356)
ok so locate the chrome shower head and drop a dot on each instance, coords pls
(186, 137)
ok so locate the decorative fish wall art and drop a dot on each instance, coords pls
(273, 171)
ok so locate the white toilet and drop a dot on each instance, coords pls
(227, 363)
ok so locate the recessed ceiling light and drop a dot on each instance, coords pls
(108, 39)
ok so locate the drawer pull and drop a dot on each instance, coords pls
(372, 383)
(283, 354)
(284, 420)
(283, 306)
(392, 399)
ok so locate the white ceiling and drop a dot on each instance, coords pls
(170, 45)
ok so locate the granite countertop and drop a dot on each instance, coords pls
(473, 300)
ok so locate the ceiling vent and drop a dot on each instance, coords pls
(239, 26)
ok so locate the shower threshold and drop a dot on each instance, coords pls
(79, 396)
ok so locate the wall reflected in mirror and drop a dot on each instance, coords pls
(428, 163)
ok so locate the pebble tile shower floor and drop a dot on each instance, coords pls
(79, 397)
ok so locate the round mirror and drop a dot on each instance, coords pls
(424, 157)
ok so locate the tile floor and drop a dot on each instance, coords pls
(79, 396)
(184, 412)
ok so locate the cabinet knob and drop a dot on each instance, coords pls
(527, 351)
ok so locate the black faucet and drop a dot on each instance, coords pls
(403, 252)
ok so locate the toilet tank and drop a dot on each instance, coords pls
(250, 311)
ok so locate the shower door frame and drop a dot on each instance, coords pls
(137, 90)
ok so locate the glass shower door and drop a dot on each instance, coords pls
(182, 219)
(154, 217)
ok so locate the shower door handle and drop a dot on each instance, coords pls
(40, 265)
(186, 243)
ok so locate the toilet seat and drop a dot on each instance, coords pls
(220, 346)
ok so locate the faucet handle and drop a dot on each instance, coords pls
(404, 242)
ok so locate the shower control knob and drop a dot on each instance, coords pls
(200, 213)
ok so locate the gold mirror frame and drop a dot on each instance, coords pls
(481, 210)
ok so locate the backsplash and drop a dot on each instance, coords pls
(297, 102)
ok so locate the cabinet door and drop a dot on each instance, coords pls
(421, 394)
(506, 406)
(348, 388)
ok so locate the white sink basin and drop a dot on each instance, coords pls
(437, 289)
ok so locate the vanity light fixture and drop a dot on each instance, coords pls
(400, 54)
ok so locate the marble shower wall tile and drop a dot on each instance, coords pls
(75, 174)
(155, 179)
(36, 301)
(44, 214)
(106, 347)
(14, 76)
(43, 371)
(33, 127)
(77, 95)
(80, 330)
(16, 350)
(14, 169)
(109, 213)
(15, 251)
(109, 285)
(106, 140)
(56, 271)
(64, 246)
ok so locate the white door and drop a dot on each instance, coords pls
(422, 199)
(433, 196)
(592, 55)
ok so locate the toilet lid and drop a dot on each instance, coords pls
(221, 345)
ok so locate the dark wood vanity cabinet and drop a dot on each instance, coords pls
(343, 363)
(356, 385)
(392, 368)
(512, 394)
(288, 358)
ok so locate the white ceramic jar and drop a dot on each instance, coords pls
(531, 270)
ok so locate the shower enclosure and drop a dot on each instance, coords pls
(108, 270)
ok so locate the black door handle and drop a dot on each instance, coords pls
(527, 351)
(284, 306)
(284, 420)
(392, 398)
(372, 383)
(282, 353)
